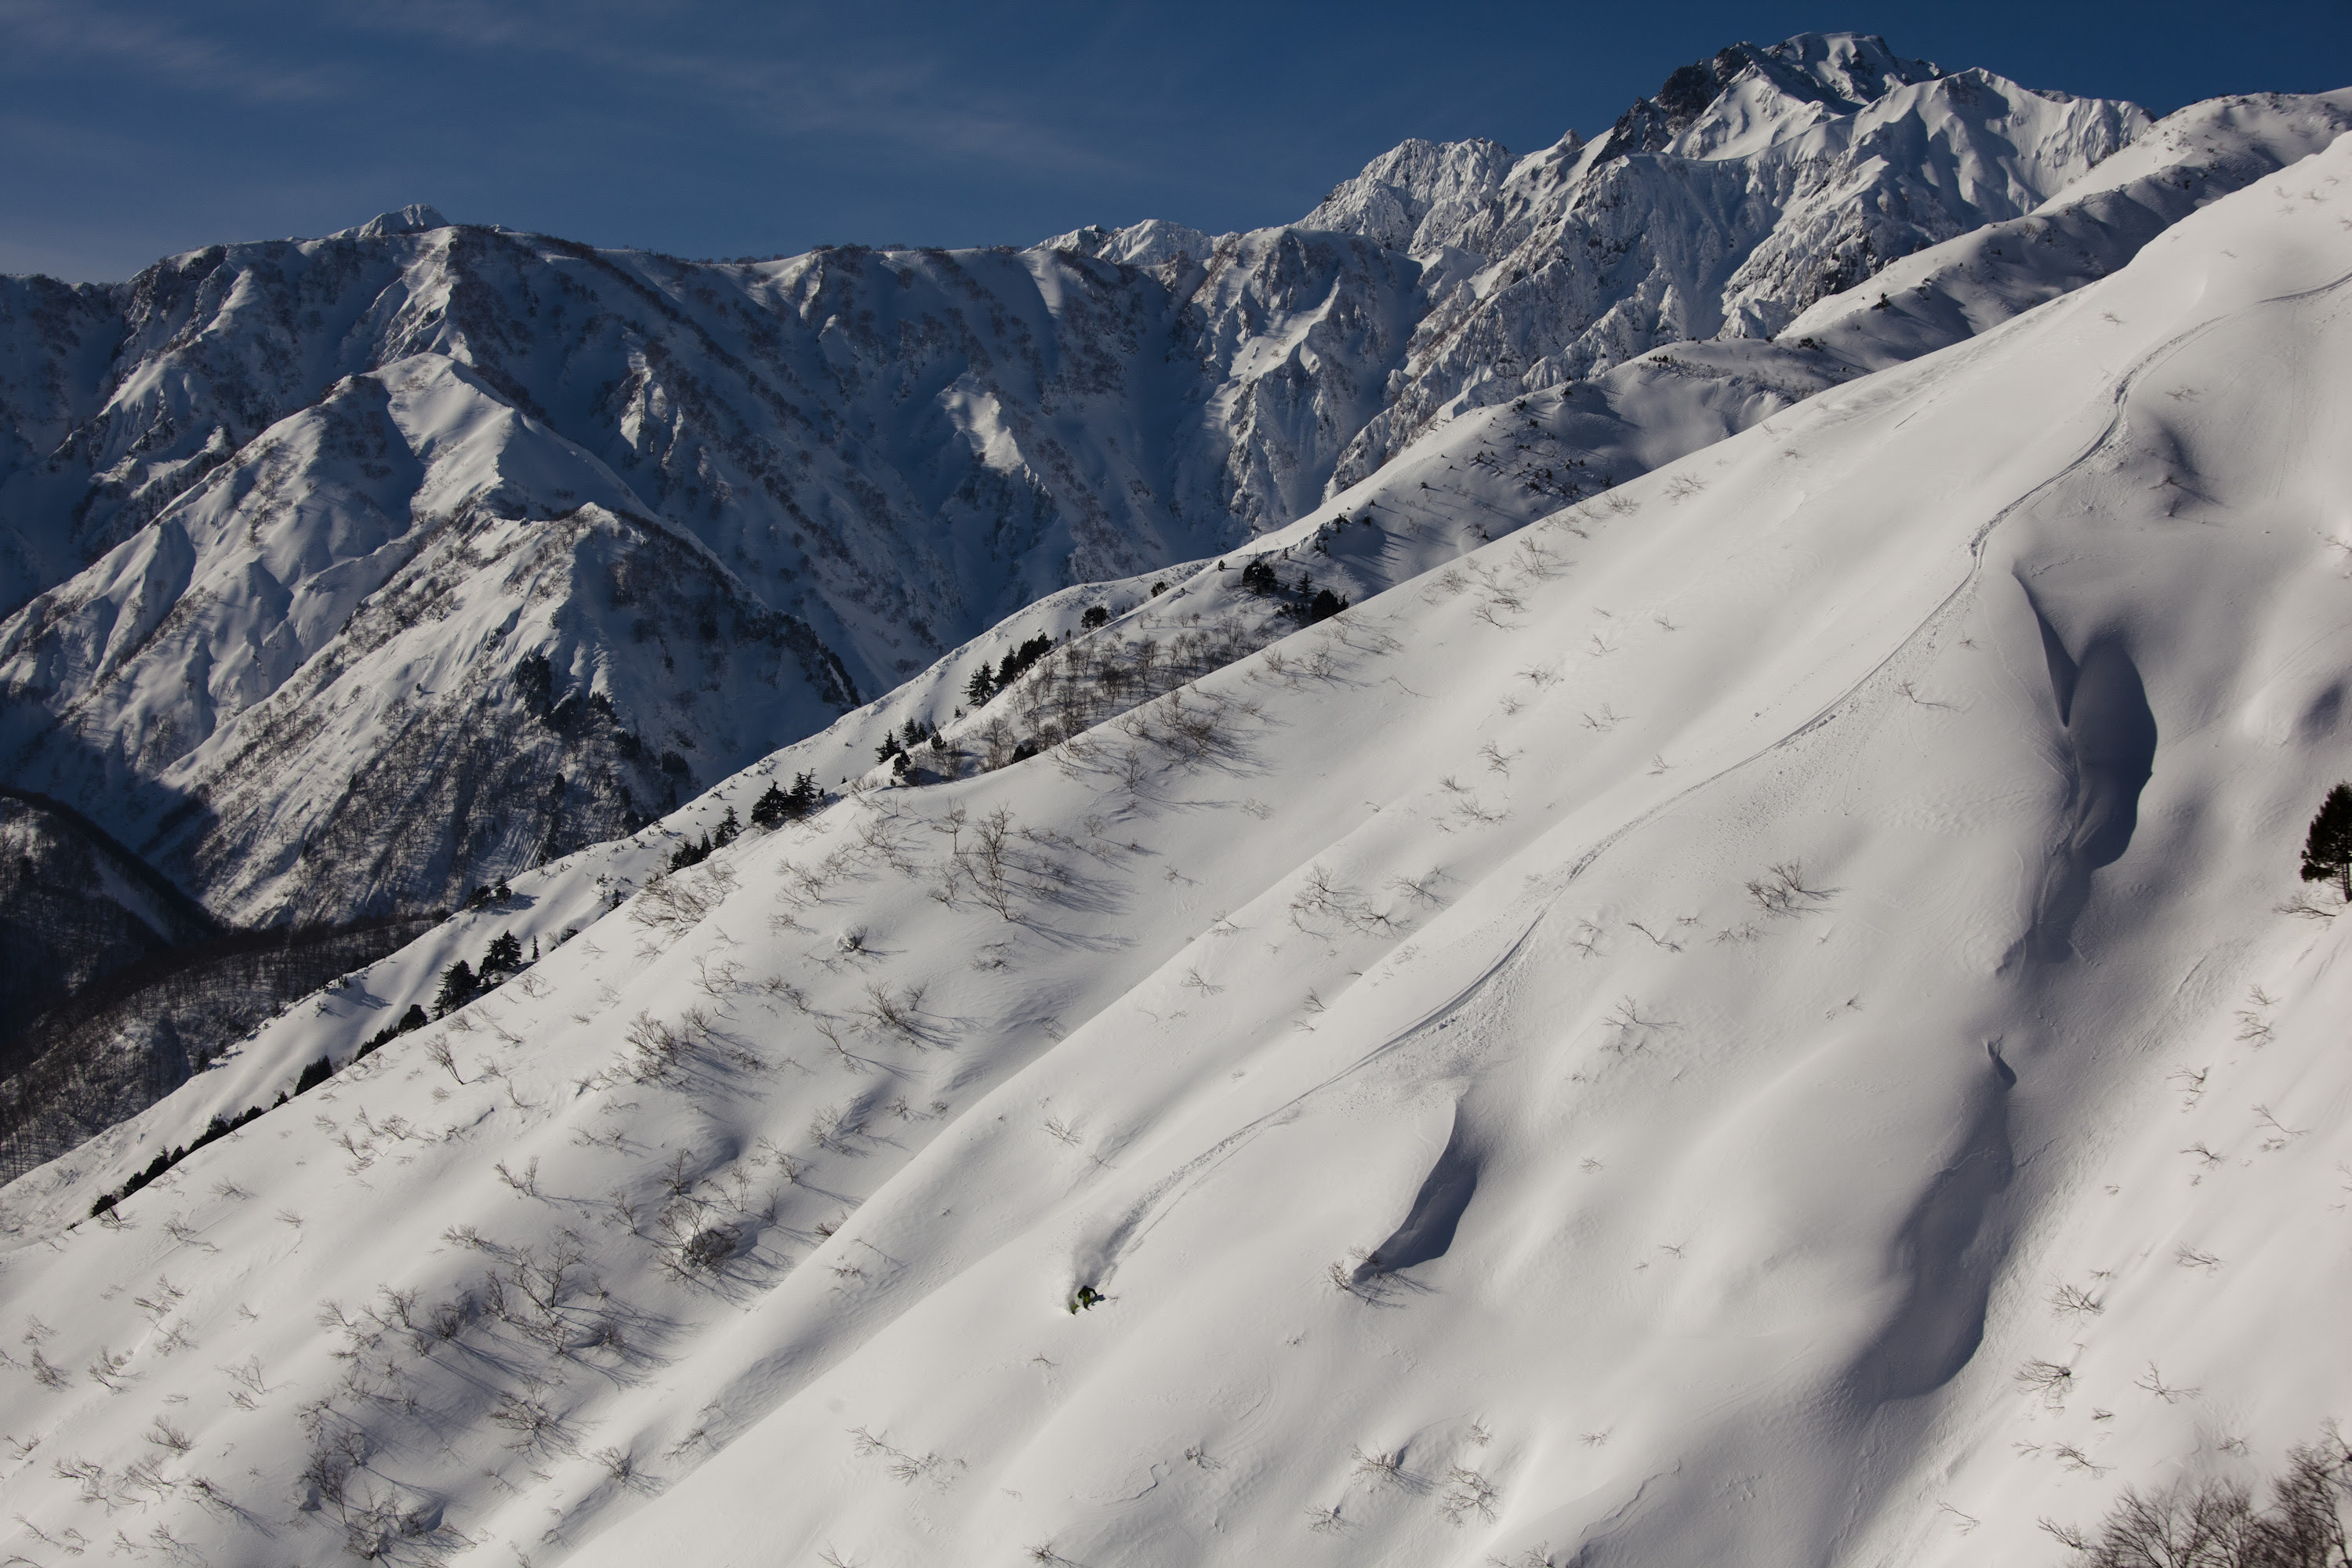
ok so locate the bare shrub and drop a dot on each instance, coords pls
(1468, 1494)
(2073, 1300)
(656, 1048)
(537, 1425)
(2214, 1523)
(251, 1387)
(903, 1467)
(2152, 1380)
(896, 1014)
(987, 863)
(707, 1247)
(1781, 890)
(677, 902)
(2253, 1028)
(336, 1449)
(2048, 1379)
(833, 1127)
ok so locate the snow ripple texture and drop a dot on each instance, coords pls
(1747, 1019)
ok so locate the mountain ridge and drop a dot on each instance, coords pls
(515, 590)
(890, 452)
(1781, 915)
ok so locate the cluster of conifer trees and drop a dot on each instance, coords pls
(777, 806)
(986, 683)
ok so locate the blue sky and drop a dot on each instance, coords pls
(132, 129)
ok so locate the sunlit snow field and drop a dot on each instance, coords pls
(1627, 1041)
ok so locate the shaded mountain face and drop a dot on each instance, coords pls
(352, 573)
(400, 559)
(74, 905)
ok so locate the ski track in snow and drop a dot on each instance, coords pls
(1139, 1221)
(1944, 612)
(1101, 1264)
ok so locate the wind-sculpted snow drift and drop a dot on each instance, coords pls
(352, 573)
(1745, 1021)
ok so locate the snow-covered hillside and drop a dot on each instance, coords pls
(1747, 1020)
(356, 572)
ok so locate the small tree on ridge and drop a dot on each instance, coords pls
(2327, 853)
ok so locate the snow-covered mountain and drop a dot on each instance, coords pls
(1761, 1013)
(1748, 188)
(357, 573)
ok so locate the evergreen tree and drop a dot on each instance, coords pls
(2327, 852)
(457, 987)
(729, 831)
(771, 809)
(1021, 659)
(1327, 604)
(413, 1020)
(504, 955)
(806, 796)
(980, 688)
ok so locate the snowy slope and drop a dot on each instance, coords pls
(805, 481)
(1473, 1164)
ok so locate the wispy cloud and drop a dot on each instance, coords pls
(41, 31)
(783, 70)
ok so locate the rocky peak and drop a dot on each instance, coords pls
(416, 217)
(1398, 194)
(1716, 107)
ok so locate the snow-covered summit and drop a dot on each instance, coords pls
(1747, 98)
(1763, 201)
(1155, 242)
(415, 218)
(1416, 195)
